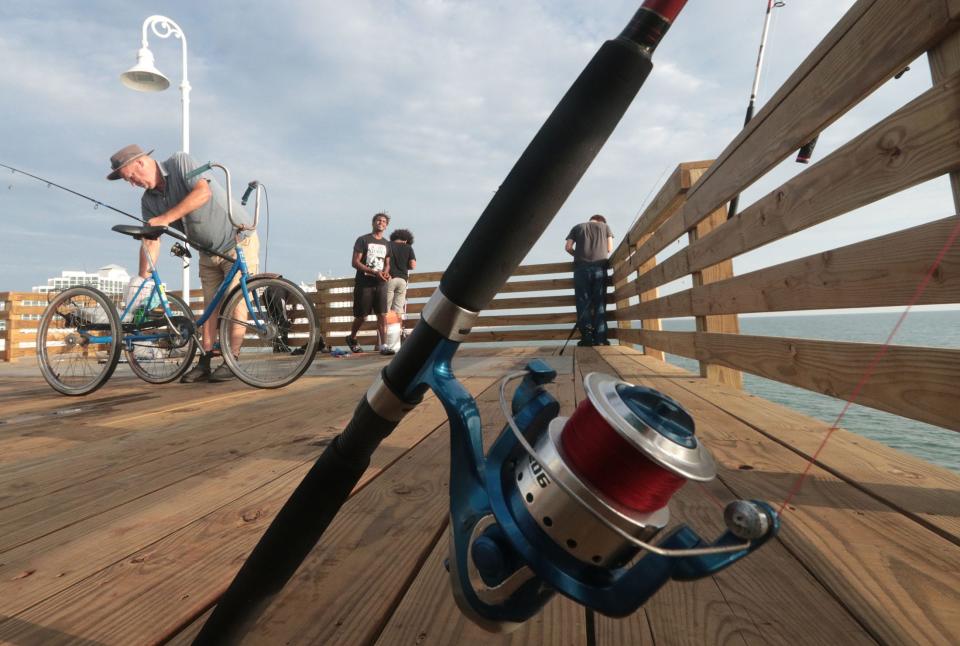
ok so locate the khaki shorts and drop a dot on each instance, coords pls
(214, 269)
(397, 295)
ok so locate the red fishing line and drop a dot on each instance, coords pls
(871, 368)
(606, 460)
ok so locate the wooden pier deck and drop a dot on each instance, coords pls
(123, 515)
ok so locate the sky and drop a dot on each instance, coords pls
(418, 107)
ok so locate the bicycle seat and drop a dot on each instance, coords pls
(137, 232)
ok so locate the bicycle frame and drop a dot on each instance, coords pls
(239, 265)
(129, 340)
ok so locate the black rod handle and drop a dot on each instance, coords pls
(296, 529)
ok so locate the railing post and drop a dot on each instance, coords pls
(6, 308)
(945, 60)
(722, 323)
(649, 324)
(320, 308)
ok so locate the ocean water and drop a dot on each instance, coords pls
(939, 329)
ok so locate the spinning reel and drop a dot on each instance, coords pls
(569, 505)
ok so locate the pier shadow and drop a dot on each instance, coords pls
(18, 632)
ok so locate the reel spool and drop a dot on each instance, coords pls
(570, 504)
(624, 452)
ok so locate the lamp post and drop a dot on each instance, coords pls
(145, 77)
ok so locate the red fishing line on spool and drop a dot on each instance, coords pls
(606, 460)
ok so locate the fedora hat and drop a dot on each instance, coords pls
(123, 157)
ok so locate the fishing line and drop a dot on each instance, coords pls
(49, 183)
(872, 367)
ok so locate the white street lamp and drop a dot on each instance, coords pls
(145, 77)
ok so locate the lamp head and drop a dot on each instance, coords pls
(144, 76)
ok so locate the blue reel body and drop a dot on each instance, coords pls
(504, 565)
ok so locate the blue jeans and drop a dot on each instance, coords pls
(590, 289)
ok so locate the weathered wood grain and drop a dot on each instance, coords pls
(890, 572)
(913, 145)
(882, 271)
(872, 42)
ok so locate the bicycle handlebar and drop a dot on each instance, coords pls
(256, 213)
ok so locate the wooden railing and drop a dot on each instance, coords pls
(20, 314)
(917, 143)
(524, 320)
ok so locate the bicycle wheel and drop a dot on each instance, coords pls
(159, 349)
(78, 341)
(273, 343)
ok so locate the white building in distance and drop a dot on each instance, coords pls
(110, 279)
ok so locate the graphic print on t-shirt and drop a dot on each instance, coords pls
(376, 252)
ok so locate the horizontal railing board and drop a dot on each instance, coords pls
(545, 285)
(496, 304)
(668, 200)
(915, 382)
(883, 271)
(871, 43)
(490, 321)
(913, 145)
(493, 336)
(435, 276)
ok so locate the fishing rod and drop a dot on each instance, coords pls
(97, 203)
(771, 5)
(482, 528)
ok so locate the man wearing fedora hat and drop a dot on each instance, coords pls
(197, 207)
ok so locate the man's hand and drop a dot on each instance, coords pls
(158, 221)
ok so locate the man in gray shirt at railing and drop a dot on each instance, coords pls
(590, 244)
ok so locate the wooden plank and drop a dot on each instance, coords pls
(428, 614)
(944, 61)
(492, 321)
(435, 276)
(76, 485)
(390, 528)
(893, 575)
(914, 382)
(680, 343)
(920, 490)
(668, 200)
(730, 607)
(909, 147)
(879, 272)
(650, 295)
(491, 336)
(156, 589)
(872, 42)
(544, 268)
(724, 323)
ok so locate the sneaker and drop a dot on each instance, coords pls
(222, 373)
(298, 351)
(585, 343)
(387, 351)
(200, 372)
(604, 342)
(353, 345)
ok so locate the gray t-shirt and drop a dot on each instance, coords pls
(590, 241)
(209, 226)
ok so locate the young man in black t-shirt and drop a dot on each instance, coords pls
(371, 259)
